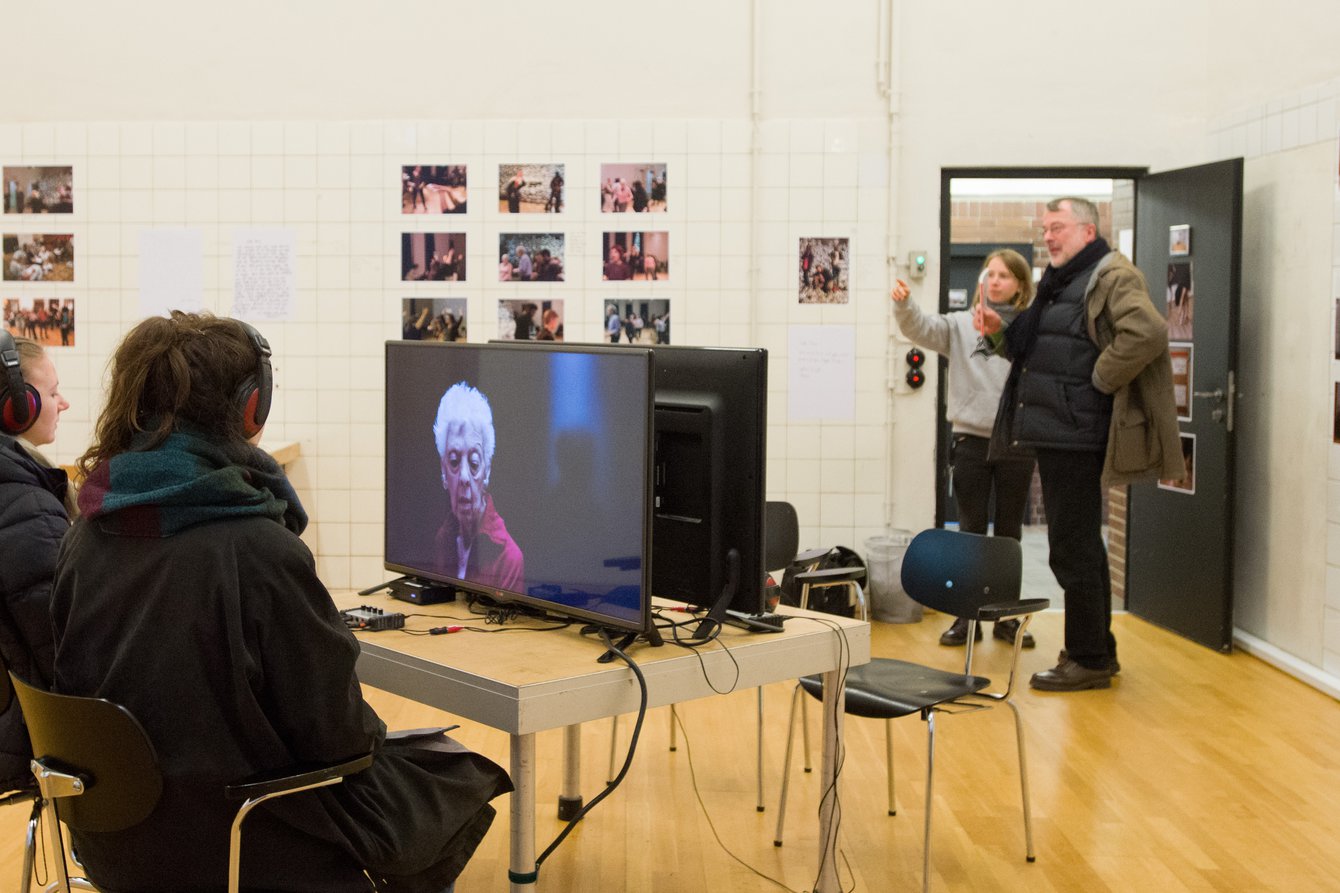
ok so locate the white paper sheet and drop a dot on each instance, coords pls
(171, 271)
(822, 379)
(264, 261)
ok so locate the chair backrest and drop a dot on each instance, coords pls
(781, 534)
(957, 573)
(103, 744)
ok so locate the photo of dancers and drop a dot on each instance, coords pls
(530, 188)
(823, 271)
(433, 189)
(39, 190)
(639, 188)
(432, 257)
(524, 320)
(530, 257)
(432, 319)
(49, 321)
(635, 256)
(637, 321)
(34, 257)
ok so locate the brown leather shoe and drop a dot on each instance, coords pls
(1006, 630)
(1115, 666)
(958, 633)
(1070, 676)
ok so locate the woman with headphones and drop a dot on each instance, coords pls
(35, 509)
(184, 593)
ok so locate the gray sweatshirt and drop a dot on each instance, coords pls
(975, 382)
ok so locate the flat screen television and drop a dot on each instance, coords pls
(709, 491)
(523, 475)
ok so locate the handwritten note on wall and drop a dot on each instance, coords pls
(822, 379)
(171, 270)
(263, 273)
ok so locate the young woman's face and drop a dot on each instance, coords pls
(42, 376)
(1000, 285)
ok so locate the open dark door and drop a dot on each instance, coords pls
(1179, 564)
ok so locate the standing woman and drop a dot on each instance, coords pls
(35, 509)
(184, 594)
(975, 382)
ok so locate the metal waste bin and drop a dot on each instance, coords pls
(884, 563)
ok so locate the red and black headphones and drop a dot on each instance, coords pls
(20, 404)
(253, 395)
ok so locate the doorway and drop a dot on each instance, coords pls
(982, 209)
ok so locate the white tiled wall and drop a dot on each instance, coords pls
(336, 186)
(1304, 118)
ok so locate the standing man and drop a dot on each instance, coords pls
(1090, 392)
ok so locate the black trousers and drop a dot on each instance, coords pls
(1072, 495)
(974, 481)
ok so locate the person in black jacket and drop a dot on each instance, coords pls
(184, 593)
(34, 515)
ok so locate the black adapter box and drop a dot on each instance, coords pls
(420, 593)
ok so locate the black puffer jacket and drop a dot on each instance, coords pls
(32, 522)
(1056, 405)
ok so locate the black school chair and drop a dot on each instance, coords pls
(25, 794)
(974, 577)
(98, 772)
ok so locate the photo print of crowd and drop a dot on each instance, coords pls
(47, 320)
(530, 188)
(432, 257)
(639, 188)
(432, 319)
(39, 190)
(635, 256)
(37, 257)
(823, 271)
(432, 189)
(524, 320)
(637, 321)
(530, 257)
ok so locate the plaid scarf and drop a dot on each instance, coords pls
(187, 480)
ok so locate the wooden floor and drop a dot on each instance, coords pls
(1196, 771)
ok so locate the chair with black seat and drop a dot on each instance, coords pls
(24, 794)
(970, 576)
(97, 771)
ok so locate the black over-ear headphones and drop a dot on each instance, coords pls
(20, 404)
(253, 396)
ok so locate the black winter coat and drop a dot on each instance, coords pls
(32, 522)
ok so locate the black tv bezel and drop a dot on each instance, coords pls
(645, 623)
(706, 364)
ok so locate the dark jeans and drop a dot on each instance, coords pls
(975, 478)
(1072, 495)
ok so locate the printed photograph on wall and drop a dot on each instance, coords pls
(636, 256)
(39, 190)
(530, 257)
(523, 320)
(432, 319)
(637, 321)
(1182, 354)
(1335, 436)
(1188, 483)
(1181, 301)
(433, 189)
(1337, 328)
(38, 257)
(530, 188)
(432, 257)
(639, 188)
(823, 271)
(1179, 240)
(48, 320)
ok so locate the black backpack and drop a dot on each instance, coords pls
(831, 599)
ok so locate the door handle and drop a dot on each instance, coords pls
(1220, 395)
